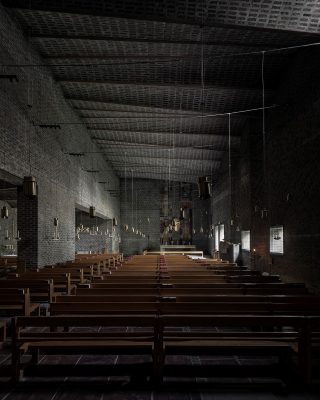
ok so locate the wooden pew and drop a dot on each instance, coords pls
(58, 340)
(250, 278)
(3, 336)
(167, 305)
(61, 282)
(168, 289)
(41, 291)
(197, 340)
(17, 302)
(156, 296)
(77, 275)
(90, 308)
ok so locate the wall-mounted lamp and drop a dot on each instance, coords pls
(5, 212)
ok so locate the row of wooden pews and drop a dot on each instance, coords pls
(159, 306)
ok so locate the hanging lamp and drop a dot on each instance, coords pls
(204, 187)
(29, 186)
(92, 212)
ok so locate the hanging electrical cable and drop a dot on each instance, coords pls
(264, 211)
(230, 168)
(132, 227)
(203, 181)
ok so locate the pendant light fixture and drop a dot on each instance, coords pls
(29, 186)
(132, 227)
(92, 212)
(204, 187)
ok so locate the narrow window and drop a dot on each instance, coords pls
(216, 238)
(276, 240)
(245, 240)
(221, 233)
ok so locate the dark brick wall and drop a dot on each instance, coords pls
(290, 188)
(8, 246)
(98, 240)
(148, 206)
(200, 218)
(146, 200)
(28, 229)
(62, 181)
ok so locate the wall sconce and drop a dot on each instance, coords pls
(114, 222)
(5, 212)
(18, 238)
(56, 233)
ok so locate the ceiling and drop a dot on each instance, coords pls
(132, 70)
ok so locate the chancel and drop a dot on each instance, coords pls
(159, 197)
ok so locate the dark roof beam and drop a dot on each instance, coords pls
(217, 43)
(150, 145)
(172, 85)
(71, 99)
(156, 16)
(234, 138)
(176, 159)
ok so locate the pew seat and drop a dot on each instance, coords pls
(3, 329)
(17, 302)
(60, 341)
(202, 338)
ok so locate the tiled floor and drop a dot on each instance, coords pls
(89, 388)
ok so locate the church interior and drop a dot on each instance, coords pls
(159, 199)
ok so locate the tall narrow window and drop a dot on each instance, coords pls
(276, 239)
(216, 237)
(221, 233)
(245, 240)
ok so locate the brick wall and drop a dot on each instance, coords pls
(200, 219)
(62, 181)
(8, 246)
(100, 237)
(290, 188)
(145, 216)
(146, 199)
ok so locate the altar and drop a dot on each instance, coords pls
(177, 249)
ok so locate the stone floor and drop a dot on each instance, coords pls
(91, 388)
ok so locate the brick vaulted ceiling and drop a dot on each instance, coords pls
(132, 71)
